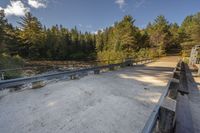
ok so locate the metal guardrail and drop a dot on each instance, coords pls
(151, 122)
(4, 84)
(180, 120)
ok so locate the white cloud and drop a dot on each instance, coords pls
(121, 3)
(80, 25)
(37, 3)
(140, 3)
(96, 32)
(16, 8)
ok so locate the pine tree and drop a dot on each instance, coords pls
(3, 25)
(125, 35)
(159, 33)
(30, 35)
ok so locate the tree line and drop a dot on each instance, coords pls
(32, 40)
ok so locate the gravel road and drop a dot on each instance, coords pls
(113, 102)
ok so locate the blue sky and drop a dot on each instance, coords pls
(91, 15)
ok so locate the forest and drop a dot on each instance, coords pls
(32, 40)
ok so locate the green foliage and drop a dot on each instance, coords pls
(159, 34)
(186, 48)
(125, 35)
(184, 53)
(8, 62)
(109, 57)
(99, 41)
(143, 53)
(55, 43)
(119, 41)
(191, 26)
(30, 35)
(191, 31)
(122, 40)
(147, 53)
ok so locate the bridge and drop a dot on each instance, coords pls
(126, 100)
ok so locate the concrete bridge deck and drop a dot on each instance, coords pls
(113, 102)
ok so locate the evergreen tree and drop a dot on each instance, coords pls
(125, 35)
(159, 33)
(191, 26)
(123, 39)
(3, 25)
(30, 35)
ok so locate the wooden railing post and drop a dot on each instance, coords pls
(167, 115)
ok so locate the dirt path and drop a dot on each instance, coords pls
(113, 102)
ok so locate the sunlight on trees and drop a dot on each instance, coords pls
(34, 41)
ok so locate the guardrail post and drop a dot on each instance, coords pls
(111, 68)
(2, 76)
(167, 115)
(38, 84)
(123, 65)
(73, 77)
(129, 63)
(173, 88)
(178, 68)
(177, 75)
(97, 71)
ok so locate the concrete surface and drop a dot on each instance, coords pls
(112, 102)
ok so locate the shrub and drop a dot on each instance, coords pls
(147, 53)
(8, 62)
(110, 57)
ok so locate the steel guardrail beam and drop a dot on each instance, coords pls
(21, 81)
(151, 122)
(4, 84)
